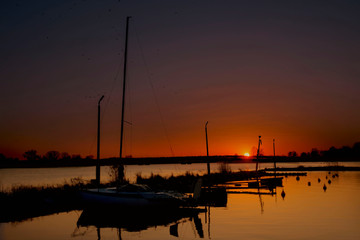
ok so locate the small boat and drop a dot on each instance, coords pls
(132, 195)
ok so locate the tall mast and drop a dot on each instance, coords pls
(98, 145)
(207, 148)
(274, 157)
(124, 85)
(258, 154)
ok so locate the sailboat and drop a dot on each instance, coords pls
(130, 195)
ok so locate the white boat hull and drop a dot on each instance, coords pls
(107, 196)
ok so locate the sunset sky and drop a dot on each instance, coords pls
(285, 70)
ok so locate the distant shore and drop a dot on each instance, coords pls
(164, 160)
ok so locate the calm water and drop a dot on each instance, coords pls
(52, 176)
(306, 212)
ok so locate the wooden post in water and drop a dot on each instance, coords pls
(98, 145)
(207, 148)
(274, 157)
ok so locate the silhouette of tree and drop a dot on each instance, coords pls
(314, 153)
(52, 156)
(345, 152)
(331, 153)
(292, 154)
(65, 156)
(76, 157)
(89, 157)
(356, 149)
(31, 155)
(4, 159)
(304, 155)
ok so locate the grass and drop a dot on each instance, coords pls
(24, 202)
(183, 183)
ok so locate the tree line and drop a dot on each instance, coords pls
(344, 152)
(332, 153)
(32, 155)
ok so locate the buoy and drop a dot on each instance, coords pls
(324, 187)
(309, 183)
(297, 178)
(283, 194)
(329, 181)
(319, 180)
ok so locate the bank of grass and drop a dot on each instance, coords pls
(185, 183)
(24, 202)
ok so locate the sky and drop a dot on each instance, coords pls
(285, 70)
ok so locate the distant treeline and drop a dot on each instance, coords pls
(57, 159)
(345, 152)
(76, 161)
(33, 156)
(51, 159)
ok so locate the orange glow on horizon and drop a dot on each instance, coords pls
(246, 154)
(170, 99)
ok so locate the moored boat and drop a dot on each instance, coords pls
(132, 195)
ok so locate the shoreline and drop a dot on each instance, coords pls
(311, 169)
(42, 201)
(165, 160)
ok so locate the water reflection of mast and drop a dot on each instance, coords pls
(261, 202)
(208, 219)
(274, 168)
(98, 233)
(258, 180)
(119, 233)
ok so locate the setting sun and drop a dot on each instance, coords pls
(246, 154)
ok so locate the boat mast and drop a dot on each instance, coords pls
(258, 153)
(274, 157)
(207, 148)
(98, 145)
(124, 85)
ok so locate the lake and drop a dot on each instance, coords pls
(13, 177)
(306, 212)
